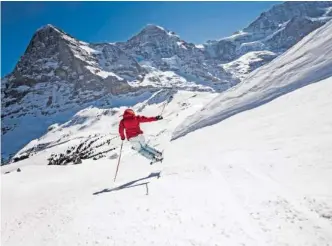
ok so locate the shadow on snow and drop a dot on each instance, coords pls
(130, 184)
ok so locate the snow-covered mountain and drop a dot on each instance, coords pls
(59, 75)
(275, 30)
(261, 177)
(166, 51)
(309, 61)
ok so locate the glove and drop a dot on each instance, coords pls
(123, 139)
(159, 117)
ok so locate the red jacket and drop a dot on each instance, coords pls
(130, 123)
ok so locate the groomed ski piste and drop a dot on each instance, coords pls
(260, 175)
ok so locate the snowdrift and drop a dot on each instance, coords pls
(309, 61)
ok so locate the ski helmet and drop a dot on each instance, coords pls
(129, 112)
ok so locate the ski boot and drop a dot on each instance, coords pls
(157, 159)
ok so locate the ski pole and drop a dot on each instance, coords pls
(117, 168)
(166, 103)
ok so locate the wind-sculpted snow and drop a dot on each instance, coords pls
(307, 62)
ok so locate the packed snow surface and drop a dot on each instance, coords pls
(262, 177)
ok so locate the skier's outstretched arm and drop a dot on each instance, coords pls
(143, 119)
(121, 130)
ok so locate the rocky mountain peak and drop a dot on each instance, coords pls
(275, 30)
(153, 30)
(44, 36)
(48, 48)
(48, 28)
(47, 34)
(152, 34)
(281, 13)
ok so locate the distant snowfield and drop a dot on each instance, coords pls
(262, 177)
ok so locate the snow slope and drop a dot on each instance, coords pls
(101, 125)
(307, 62)
(262, 177)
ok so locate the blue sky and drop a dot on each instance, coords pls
(195, 22)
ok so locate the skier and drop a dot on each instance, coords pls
(131, 125)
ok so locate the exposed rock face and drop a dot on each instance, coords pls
(165, 50)
(113, 59)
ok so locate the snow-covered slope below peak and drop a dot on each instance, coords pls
(307, 62)
(36, 113)
(250, 61)
(96, 129)
(169, 79)
(259, 178)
